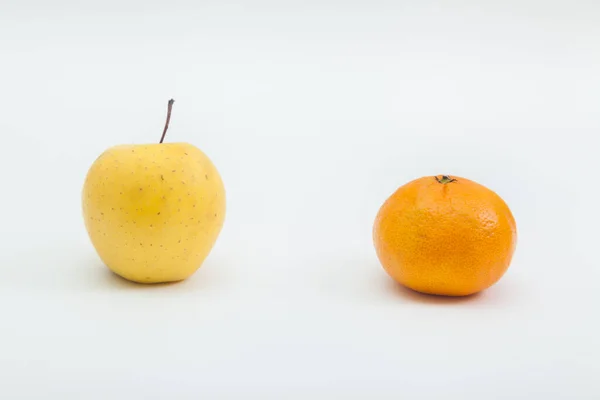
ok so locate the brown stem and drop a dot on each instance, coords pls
(169, 108)
(445, 179)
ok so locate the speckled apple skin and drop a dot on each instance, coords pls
(153, 212)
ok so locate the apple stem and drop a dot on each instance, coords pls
(169, 108)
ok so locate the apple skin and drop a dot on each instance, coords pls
(153, 212)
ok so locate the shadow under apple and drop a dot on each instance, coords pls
(206, 277)
(69, 271)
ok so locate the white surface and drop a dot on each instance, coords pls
(314, 114)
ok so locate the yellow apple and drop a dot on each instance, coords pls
(153, 212)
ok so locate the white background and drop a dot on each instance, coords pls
(314, 112)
